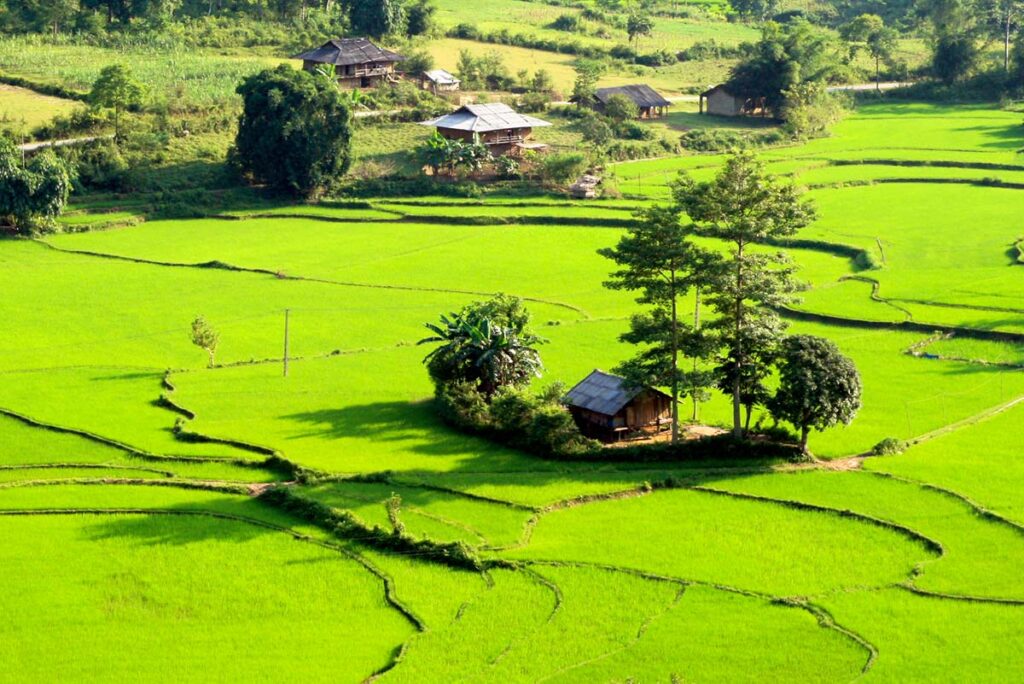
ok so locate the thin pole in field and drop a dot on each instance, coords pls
(286, 311)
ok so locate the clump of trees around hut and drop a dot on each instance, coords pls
(485, 357)
(739, 349)
(33, 192)
(294, 134)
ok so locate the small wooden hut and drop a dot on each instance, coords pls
(606, 408)
(720, 102)
(357, 62)
(505, 131)
(439, 81)
(649, 102)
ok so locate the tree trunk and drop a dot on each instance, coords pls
(737, 426)
(878, 74)
(804, 432)
(675, 365)
(746, 423)
(1006, 44)
(696, 328)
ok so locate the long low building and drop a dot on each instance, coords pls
(649, 102)
(505, 131)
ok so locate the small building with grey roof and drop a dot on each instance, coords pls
(357, 62)
(649, 102)
(608, 408)
(505, 131)
(439, 80)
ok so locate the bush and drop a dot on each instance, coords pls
(632, 130)
(890, 446)
(560, 168)
(534, 102)
(460, 404)
(102, 166)
(657, 59)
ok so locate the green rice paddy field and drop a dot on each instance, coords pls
(146, 535)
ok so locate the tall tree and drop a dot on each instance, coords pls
(583, 89)
(116, 89)
(419, 18)
(294, 132)
(786, 56)
(868, 31)
(818, 386)
(657, 259)
(377, 18)
(638, 24)
(744, 206)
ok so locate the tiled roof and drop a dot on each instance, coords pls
(483, 118)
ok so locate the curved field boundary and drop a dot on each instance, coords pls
(283, 276)
(876, 296)
(388, 584)
(87, 466)
(918, 163)
(821, 616)
(903, 326)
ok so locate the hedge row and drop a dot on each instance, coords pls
(346, 526)
(44, 88)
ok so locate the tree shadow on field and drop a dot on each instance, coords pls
(481, 461)
(182, 524)
(1008, 137)
(414, 423)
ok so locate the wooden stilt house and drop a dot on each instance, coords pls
(357, 62)
(607, 408)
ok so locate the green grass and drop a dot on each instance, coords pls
(129, 597)
(89, 339)
(21, 110)
(981, 559)
(201, 77)
(749, 545)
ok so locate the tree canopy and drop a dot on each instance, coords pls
(657, 259)
(818, 386)
(116, 89)
(32, 193)
(743, 206)
(786, 55)
(294, 133)
(488, 343)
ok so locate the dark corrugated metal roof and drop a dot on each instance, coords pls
(345, 51)
(641, 94)
(603, 393)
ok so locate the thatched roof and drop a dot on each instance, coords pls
(604, 393)
(346, 51)
(642, 95)
(483, 118)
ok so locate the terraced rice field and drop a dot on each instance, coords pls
(161, 516)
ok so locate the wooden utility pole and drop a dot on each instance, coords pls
(286, 311)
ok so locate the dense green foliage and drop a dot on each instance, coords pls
(818, 386)
(32, 193)
(294, 133)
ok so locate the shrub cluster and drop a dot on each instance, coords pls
(722, 140)
(538, 424)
